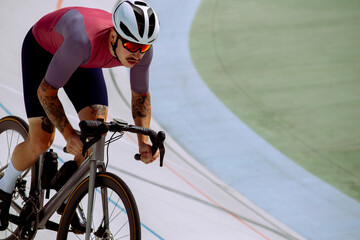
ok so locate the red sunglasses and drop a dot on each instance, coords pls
(134, 47)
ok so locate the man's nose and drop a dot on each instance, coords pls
(137, 54)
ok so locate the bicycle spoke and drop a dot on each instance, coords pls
(13, 131)
(118, 226)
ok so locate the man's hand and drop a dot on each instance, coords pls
(145, 152)
(74, 145)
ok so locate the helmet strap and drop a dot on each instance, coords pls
(114, 46)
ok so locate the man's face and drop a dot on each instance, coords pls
(127, 58)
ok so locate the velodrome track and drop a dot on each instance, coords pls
(222, 142)
(183, 200)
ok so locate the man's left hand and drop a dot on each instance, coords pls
(146, 155)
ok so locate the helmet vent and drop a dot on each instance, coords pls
(140, 20)
(151, 23)
(127, 31)
(140, 3)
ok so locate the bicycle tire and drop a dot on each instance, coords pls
(13, 130)
(119, 200)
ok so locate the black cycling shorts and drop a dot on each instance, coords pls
(85, 87)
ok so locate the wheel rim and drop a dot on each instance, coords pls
(119, 221)
(12, 132)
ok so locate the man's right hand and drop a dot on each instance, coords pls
(74, 145)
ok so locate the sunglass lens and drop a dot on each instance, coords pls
(134, 47)
(144, 48)
(131, 47)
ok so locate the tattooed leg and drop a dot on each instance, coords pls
(93, 112)
(98, 111)
(46, 125)
(27, 153)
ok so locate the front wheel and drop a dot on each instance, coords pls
(115, 214)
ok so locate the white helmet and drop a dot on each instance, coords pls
(136, 21)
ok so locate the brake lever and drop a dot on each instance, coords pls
(160, 138)
(158, 143)
(88, 144)
(162, 154)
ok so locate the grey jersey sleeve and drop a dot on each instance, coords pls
(139, 74)
(73, 52)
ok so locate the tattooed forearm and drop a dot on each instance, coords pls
(140, 105)
(52, 105)
(141, 111)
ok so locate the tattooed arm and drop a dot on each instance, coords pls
(54, 110)
(141, 109)
(141, 112)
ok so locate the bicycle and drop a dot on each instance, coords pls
(91, 187)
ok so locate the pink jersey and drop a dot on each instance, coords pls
(98, 24)
(79, 37)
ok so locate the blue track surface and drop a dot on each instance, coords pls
(191, 113)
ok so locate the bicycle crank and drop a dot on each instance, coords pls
(28, 221)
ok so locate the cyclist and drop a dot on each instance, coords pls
(68, 49)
